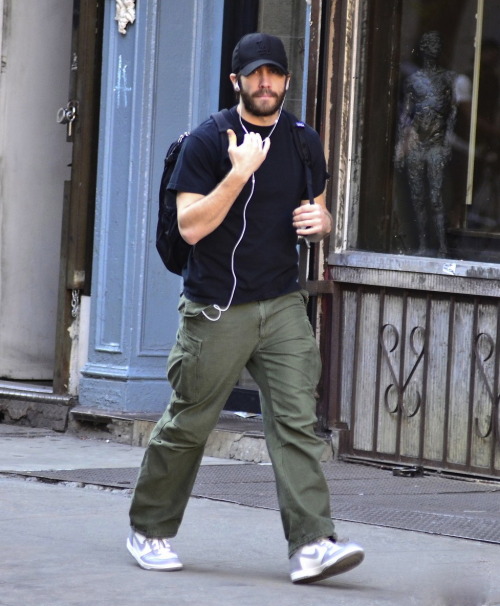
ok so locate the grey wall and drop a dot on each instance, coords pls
(36, 42)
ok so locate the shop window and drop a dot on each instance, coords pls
(427, 158)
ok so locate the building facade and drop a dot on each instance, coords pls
(404, 294)
(411, 117)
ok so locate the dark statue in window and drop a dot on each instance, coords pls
(424, 139)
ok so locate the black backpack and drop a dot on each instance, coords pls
(172, 248)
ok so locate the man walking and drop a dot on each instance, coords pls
(241, 204)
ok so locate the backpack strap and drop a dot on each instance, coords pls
(223, 120)
(298, 128)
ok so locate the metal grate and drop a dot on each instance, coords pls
(370, 495)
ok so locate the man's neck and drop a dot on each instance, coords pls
(257, 120)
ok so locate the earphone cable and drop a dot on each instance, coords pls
(217, 307)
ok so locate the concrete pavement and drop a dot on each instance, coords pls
(63, 545)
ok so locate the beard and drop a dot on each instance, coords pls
(250, 102)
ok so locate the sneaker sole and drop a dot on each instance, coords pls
(164, 567)
(331, 568)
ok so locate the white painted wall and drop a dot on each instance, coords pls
(34, 158)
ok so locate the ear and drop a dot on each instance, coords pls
(234, 82)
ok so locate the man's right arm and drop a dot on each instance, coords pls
(200, 215)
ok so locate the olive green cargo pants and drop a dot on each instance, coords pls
(273, 339)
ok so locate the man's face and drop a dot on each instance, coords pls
(262, 92)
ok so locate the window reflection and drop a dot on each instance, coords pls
(484, 208)
(429, 182)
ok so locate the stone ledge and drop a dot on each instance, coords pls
(47, 414)
(235, 438)
(35, 409)
(226, 444)
(124, 428)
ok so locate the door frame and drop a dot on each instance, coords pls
(79, 193)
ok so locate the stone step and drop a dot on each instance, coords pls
(235, 437)
(33, 405)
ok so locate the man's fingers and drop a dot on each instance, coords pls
(231, 135)
(247, 157)
(251, 137)
(266, 145)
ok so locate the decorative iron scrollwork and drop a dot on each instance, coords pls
(484, 349)
(389, 341)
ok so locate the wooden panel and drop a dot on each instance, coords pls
(484, 386)
(413, 403)
(420, 378)
(413, 273)
(347, 341)
(462, 319)
(390, 333)
(365, 376)
(435, 387)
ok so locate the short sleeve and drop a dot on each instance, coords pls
(198, 167)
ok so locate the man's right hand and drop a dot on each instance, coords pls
(247, 157)
(199, 215)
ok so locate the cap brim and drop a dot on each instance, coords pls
(248, 69)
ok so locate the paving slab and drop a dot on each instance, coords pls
(65, 546)
(25, 448)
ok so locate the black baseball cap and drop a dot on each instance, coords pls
(254, 50)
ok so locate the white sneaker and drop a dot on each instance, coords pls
(322, 559)
(152, 554)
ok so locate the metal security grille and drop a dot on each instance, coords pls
(428, 503)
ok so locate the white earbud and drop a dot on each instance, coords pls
(237, 88)
(287, 84)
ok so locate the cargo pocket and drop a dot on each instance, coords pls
(182, 369)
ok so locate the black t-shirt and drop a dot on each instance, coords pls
(265, 261)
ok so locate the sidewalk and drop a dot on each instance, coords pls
(63, 545)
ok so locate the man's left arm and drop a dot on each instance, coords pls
(313, 221)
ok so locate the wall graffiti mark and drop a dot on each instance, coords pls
(121, 89)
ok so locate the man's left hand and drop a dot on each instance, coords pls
(312, 221)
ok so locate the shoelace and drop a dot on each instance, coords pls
(159, 545)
